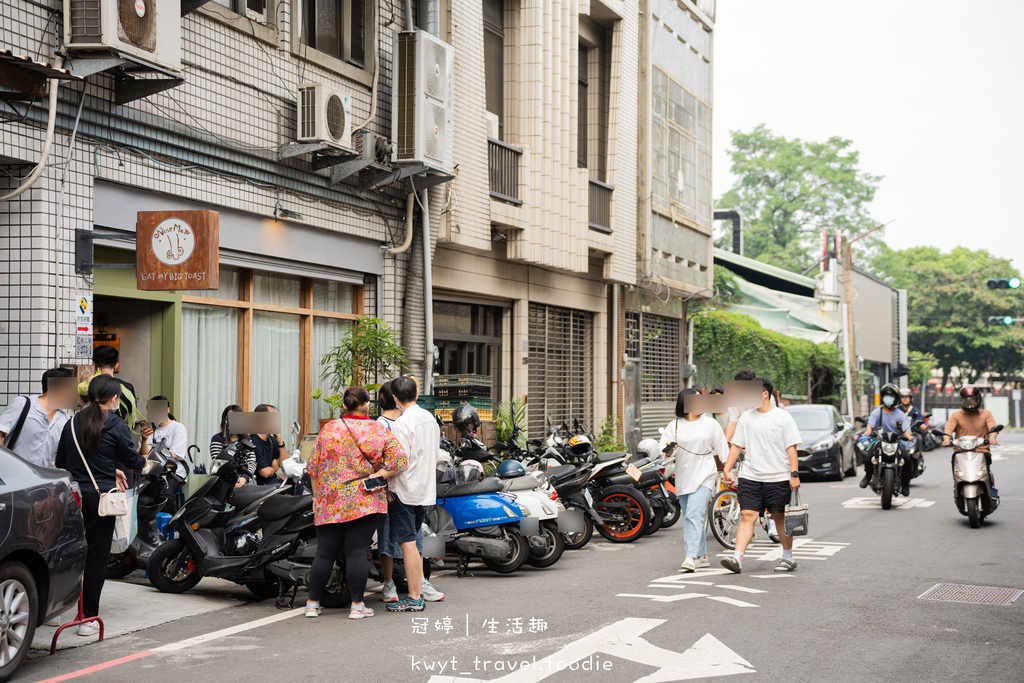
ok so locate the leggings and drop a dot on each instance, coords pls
(99, 532)
(352, 537)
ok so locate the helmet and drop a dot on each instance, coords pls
(466, 419)
(892, 393)
(970, 398)
(510, 469)
(579, 444)
(467, 471)
(648, 448)
(906, 393)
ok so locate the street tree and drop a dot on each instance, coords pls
(789, 190)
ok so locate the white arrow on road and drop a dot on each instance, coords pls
(708, 657)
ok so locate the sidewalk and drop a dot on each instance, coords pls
(132, 604)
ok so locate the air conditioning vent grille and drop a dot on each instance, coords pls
(307, 113)
(405, 136)
(136, 23)
(335, 117)
(436, 132)
(86, 25)
(437, 72)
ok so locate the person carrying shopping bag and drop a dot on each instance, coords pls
(351, 458)
(697, 439)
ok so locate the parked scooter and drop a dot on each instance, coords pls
(973, 492)
(536, 498)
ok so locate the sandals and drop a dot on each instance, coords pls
(363, 612)
(785, 565)
(312, 610)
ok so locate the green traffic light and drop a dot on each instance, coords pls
(1007, 320)
(1014, 283)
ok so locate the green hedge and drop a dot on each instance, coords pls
(726, 342)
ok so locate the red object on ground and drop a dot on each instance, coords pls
(77, 621)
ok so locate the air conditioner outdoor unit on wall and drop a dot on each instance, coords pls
(148, 30)
(422, 120)
(325, 115)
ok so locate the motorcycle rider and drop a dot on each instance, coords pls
(885, 417)
(914, 415)
(973, 420)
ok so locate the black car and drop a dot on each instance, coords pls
(42, 552)
(827, 447)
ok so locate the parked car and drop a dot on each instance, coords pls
(42, 552)
(828, 443)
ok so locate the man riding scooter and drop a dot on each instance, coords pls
(973, 420)
(915, 416)
(889, 417)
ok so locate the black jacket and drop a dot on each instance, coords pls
(116, 451)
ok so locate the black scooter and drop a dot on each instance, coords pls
(232, 533)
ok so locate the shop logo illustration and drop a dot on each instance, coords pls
(173, 242)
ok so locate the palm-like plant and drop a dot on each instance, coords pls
(369, 350)
(511, 413)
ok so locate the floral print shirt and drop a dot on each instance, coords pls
(341, 468)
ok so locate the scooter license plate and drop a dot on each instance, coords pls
(633, 471)
(589, 498)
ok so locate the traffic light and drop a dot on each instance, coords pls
(1004, 283)
(1000, 320)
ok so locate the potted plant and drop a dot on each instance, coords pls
(331, 405)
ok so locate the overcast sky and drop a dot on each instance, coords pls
(930, 91)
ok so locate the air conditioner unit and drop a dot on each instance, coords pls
(148, 30)
(422, 120)
(493, 125)
(325, 115)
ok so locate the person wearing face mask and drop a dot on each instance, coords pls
(889, 417)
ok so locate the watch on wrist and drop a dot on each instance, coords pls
(794, 474)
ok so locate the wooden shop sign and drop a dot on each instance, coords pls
(177, 250)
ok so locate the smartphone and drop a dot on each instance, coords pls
(669, 448)
(374, 483)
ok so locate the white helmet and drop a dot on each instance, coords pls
(648, 448)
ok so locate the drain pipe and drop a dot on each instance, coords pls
(737, 228)
(51, 122)
(407, 242)
(428, 300)
(410, 25)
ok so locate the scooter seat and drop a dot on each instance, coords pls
(473, 488)
(279, 507)
(559, 472)
(527, 482)
(245, 496)
(607, 457)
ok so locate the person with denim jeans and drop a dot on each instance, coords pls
(697, 439)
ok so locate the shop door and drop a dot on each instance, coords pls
(561, 359)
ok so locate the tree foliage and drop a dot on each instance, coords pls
(788, 191)
(949, 305)
(725, 342)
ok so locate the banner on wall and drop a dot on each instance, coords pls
(177, 250)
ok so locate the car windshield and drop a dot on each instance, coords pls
(812, 420)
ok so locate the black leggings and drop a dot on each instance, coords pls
(354, 538)
(99, 532)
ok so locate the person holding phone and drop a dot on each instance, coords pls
(351, 460)
(270, 452)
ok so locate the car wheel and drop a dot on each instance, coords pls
(19, 612)
(839, 473)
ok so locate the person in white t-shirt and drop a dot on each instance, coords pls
(769, 436)
(735, 411)
(163, 427)
(697, 439)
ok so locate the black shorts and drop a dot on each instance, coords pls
(763, 495)
(405, 520)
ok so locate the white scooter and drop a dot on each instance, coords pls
(972, 482)
(538, 500)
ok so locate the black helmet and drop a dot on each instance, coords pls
(510, 469)
(892, 392)
(970, 398)
(466, 419)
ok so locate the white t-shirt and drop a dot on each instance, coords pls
(734, 413)
(420, 436)
(765, 438)
(177, 440)
(699, 441)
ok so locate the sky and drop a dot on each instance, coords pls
(930, 91)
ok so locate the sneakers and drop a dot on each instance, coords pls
(363, 612)
(89, 629)
(702, 562)
(732, 564)
(785, 565)
(688, 565)
(429, 593)
(406, 605)
(865, 481)
(312, 610)
(389, 593)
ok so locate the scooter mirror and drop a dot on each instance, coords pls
(996, 429)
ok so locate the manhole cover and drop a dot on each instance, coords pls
(977, 595)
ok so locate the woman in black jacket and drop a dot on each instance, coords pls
(105, 443)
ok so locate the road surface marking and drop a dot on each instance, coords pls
(803, 549)
(731, 601)
(874, 503)
(706, 658)
(740, 588)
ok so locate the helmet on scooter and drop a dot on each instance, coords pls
(580, 446)
(890, 395)
(511, 469)
(468, 471)
(970, 398)
(648, 448)
(466, 419)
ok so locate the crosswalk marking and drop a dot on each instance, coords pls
(874, 503)
(731, 601)
(803, 549)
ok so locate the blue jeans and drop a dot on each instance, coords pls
(695, 507)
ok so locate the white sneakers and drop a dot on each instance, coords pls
(688, 565)
(89, 629)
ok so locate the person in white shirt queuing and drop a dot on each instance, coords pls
(31, 425)
(414, 488)
(163, 427)
(769, 436)
(697, 439)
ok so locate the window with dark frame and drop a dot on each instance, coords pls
(252, 9)
(581, 154)
(494, 59)
(336, 28)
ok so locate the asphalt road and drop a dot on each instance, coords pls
(851, 611)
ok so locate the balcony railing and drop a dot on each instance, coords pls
(600, 206)
(504, 164)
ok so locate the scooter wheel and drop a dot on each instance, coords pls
(576, 540)
(973, 516)
(520, 552)
(161, 567)
(263, 589)
(627, 511)
(674, 514)
(657, 520)
(555, 547)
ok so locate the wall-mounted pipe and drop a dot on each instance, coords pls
(428, 301)
(737, 228)
(51, 122)
(407, 242)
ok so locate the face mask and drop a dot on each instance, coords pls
(889, 401)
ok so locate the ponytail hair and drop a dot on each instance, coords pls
(355, 397)
(102, 388)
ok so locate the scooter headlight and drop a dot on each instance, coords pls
(889, 448)
(958, 472)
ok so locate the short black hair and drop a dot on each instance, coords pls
(744, 375)
(55, 372)
(717, 390)
(264, 408)
(163, 398)
(680, 412)
(767, 385)
(105, 356)
(404, 389)
(385, 399)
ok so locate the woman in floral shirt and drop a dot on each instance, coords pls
(347, 453)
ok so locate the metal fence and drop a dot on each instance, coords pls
(504, 164)
(600, 206)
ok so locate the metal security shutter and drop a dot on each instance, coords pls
(561, 384)
(661, 354)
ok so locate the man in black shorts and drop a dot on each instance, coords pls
(769, 436)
